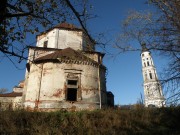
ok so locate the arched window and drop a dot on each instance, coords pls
(144, 64)
(148, 63)
(150, 75)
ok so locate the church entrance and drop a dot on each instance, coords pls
(72, 94)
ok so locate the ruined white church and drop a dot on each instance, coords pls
(63, 72)
(153, 95)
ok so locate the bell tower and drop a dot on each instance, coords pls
(152, 88)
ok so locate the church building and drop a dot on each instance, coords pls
(64, 72)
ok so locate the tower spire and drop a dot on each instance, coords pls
(152, 88)
(143, 46)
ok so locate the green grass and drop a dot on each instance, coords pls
(138, 121)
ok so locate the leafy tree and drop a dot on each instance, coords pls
(21, 17)
(161, 32)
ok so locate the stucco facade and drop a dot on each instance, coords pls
(64, 72)
(52, 79)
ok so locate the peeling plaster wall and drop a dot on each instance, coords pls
(32, 85)
(46, 86)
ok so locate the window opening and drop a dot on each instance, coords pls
(72, 82)
(45, 44)
(72, 89)
(148, 63)
(144, 64)
(72, 94)
(150, 75)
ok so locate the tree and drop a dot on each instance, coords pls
(169, 40)
(3, 90)
(161, 32)
(21, 17)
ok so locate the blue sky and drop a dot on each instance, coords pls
(124, 76)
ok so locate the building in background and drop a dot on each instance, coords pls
(153, 95)
(13, 100)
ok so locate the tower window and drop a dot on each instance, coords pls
(148, 63)
(144, 64)
(150, 75)
(45, 44)
(142, 55)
